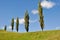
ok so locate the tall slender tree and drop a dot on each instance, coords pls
(12, 23)
(17, 23)
(5, 27)
(26, 18)
(40, 10)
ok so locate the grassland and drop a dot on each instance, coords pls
(45, 35)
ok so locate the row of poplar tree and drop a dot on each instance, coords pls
(26, 18)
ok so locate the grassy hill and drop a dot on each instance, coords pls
(45, 35)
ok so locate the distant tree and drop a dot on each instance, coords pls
(40, 10)
(17, 23)
(12, 24)
(26, 18)
(5, 27)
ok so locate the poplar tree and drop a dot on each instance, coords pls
(17, 24)
(12, 24)
(5, 27)
(40, 10)
(26, 18)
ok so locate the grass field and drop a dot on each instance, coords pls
(45, 35)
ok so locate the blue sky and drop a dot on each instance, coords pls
(16, 8)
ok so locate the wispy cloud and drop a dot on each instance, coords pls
(33, 21)
(21, 21)
(34, 11)
(9, 27)
(47, 4)
(57, 28)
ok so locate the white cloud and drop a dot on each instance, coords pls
(44, 4)
(2, 27)
(57, 28)
(9, 27)
(47, 4)
(21, 21)
(34, 11)
(32, 21)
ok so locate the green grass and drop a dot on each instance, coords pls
(45, 35)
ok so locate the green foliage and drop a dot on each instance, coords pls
(26, 18)
(40, 10)
(17, 23)
(12, 24)
(5, 27)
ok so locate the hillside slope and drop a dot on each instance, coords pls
(46, 35)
